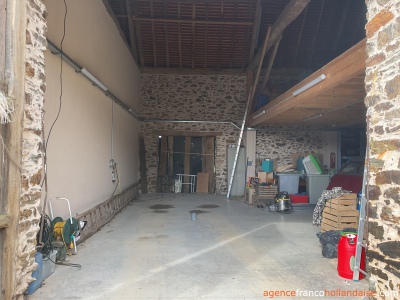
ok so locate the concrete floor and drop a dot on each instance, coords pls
(233, 251)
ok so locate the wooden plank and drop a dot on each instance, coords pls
(353, 212)
(288, 15)
(142, 166)
(186, 164)
(340, 226)
(339, 219)
(341, 207)
(186, 133)
(202, 183)
(344, 67)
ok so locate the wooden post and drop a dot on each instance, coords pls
(16, 18)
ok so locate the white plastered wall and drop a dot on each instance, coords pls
(330, 145)
(79, 148)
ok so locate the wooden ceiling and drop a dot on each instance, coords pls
(228, 35)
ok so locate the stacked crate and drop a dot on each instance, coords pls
(340, 213)
(266, 192)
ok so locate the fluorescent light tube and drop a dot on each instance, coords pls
(259, 114)
(94, 79)
(313, 117)
(310, 84)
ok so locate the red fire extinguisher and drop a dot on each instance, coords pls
(333, 160)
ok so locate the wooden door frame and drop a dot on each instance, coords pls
(208, 151)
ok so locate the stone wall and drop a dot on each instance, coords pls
(32, 144)
(281, 142)
(383, 102)
(210, 98)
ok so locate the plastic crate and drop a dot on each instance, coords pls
(298, 198)
(312, 165)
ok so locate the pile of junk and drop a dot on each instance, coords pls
(55, 241)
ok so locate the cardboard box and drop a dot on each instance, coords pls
(265, 176)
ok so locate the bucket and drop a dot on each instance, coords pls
(37, 275)
(346, 256)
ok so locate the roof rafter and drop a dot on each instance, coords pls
(288, 15)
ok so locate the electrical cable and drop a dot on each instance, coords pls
(54, 122)
(61, 79)
(112, 130)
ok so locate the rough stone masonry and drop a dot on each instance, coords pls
(214, 98)
(383, 103)
(32, 144)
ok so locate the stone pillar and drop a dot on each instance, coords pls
(32, 144)
(383, 103)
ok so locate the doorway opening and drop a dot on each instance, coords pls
(186, 163)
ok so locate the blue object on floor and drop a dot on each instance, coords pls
(37, 274)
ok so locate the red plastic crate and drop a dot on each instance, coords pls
(298, 198)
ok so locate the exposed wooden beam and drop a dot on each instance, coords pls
(139, 35)
(193, 32)
(256, 27)
(193, 21)
(131, 29)
(220, 37)
(348, 65)
(166, 35)
(185, 133)
(189, 71)
(294, 61)
(232, 39)
(340, 24)
(120, 31)
(180, 36)
(264, 49)
(153, 34)
(288, 15)
(316, 34)
(206, 40)
(270, 64)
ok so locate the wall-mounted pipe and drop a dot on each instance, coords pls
(57, 51)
